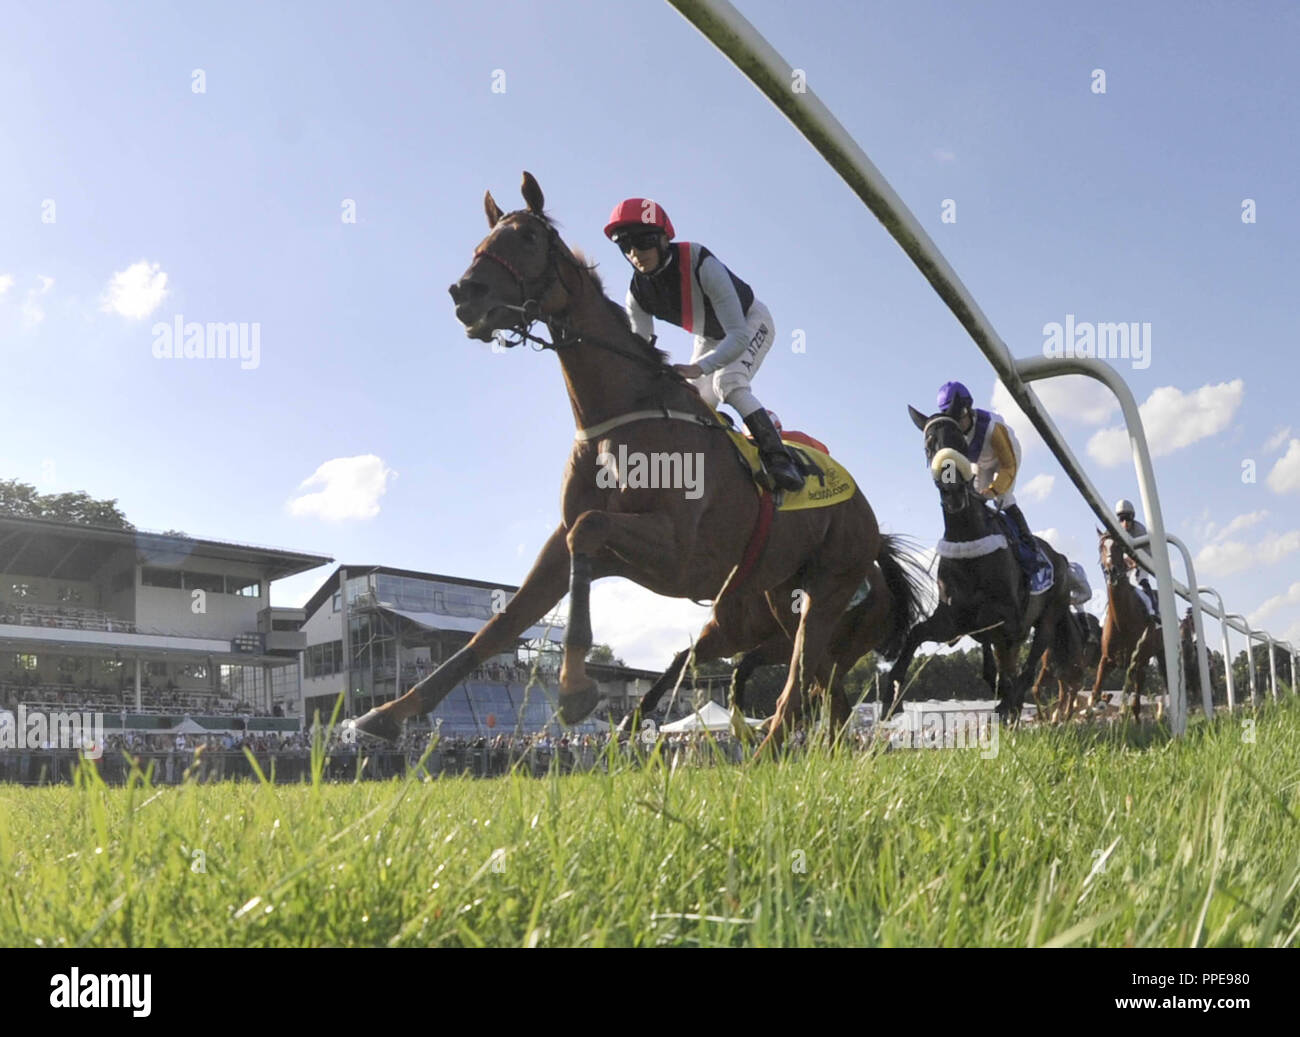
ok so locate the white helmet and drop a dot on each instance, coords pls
(1123, 507)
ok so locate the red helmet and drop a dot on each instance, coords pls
(643, 213)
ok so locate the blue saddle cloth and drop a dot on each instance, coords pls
(1035, 564)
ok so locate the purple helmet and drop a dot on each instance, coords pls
(953, 396)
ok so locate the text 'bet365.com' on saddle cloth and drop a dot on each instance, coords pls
(829, 484)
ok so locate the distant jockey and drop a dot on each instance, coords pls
(1126, 514)
(686, 285)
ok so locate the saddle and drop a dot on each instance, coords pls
(826, 481)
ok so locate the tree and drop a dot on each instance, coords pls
(21, 500)
(604, 655)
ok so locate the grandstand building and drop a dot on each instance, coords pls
(148, 628)
(372, 632)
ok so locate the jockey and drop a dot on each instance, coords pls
(686, 285)
(1126, 514)
(994, 450)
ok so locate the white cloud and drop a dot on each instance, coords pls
(1052, 536)
(1232, 556)
(33, 311)
(1291, 596)
(1038, 487)
(1245, 521)
(1285, 475)
(351, 488)
(136, 291)
(1073, 398)
(1172, 420)
(944, 155)
(644, 629)
(6, 282)
(1275, 441)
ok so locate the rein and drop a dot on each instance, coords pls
(530, 308)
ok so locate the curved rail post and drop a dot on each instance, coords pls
(1202, 662)
(1198, 628)
(1272, 665)
(1157, 539)
(1227, 651)
(1250, 657)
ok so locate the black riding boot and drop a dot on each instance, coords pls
(1155, 600)
(1013, 512)
(776, 459)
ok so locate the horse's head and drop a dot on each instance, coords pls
(1111, 554)
(945, 453)
(515, 275)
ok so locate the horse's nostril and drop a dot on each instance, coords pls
(466, 291)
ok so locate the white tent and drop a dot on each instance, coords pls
(191, 727)
(709, 717)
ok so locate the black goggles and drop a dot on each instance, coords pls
(636, 239)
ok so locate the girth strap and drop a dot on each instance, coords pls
(586, 435)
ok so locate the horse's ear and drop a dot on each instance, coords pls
(532, 194)
(918, 419)
(492, 209)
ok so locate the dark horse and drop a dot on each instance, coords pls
(981, 590)
(879, 622)
(627, 401)
(1130, 637)
(1090, 637)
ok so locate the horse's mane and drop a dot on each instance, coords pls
(590, 268)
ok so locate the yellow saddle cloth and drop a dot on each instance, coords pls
(830, 484)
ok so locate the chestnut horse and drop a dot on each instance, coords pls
(981, 591)
(628, 402)
(1130, 637)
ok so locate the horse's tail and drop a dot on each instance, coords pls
(906, 580)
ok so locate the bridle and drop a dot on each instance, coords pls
(1115, 573)
(529, 309)
(966, 488)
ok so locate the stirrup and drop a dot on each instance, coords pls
(793, 477)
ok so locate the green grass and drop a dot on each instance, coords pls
(1200, 840)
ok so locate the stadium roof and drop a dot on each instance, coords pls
(69, 550)
(331, 584)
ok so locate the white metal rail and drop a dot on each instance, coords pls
(732, 34)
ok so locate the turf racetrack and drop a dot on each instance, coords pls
(1085, 836)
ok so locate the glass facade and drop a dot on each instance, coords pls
(413, 594)
(376, 637)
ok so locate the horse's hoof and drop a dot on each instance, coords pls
(378, 724)
(576, 706)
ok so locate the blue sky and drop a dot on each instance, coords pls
(225, 205)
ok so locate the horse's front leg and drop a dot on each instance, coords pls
(642, 541)
(940, 626)
(712, 644)
(541, 589)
